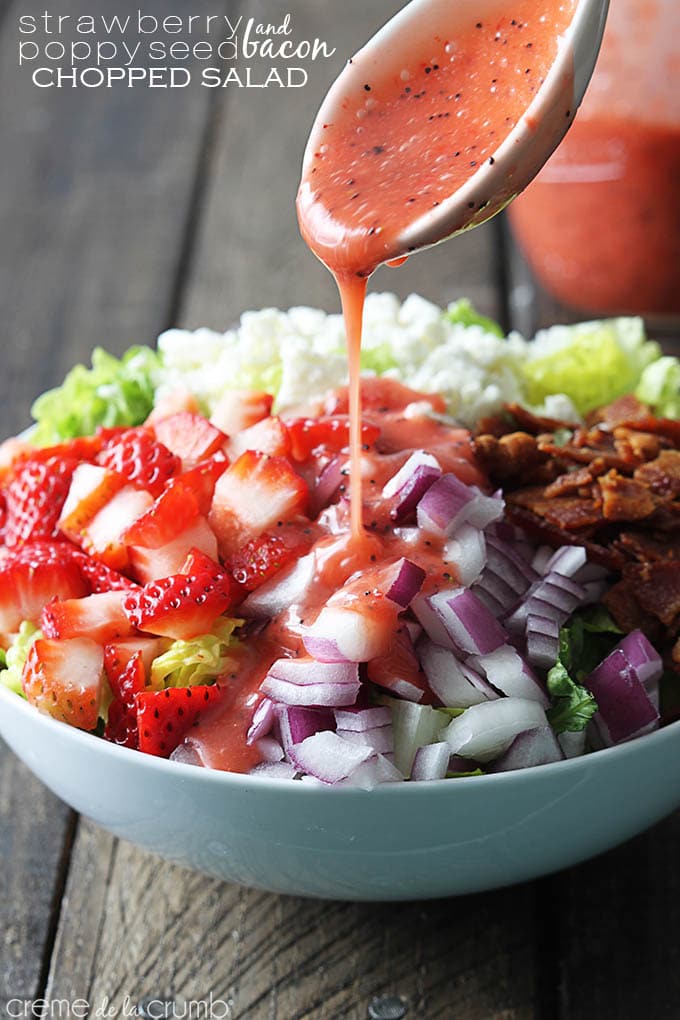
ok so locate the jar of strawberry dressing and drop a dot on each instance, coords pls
(600, 225)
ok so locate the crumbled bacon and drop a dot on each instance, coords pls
(612, 486)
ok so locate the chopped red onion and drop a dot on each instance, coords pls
(625, 710)
(371, 773)
(263, 720)
(487, 599)
(507, 671)
(510, 565)
(305, 671)
(361, 719)
(538, 746)
(413, 629)
(296, 723)
(646, 662)
(379, 738)
(541, 558)
(567, 560)
(513, 537)
(469, 624)
(484, 731)
(450, 679)
(328, 757)
(484, 510)
(554, 597)
(543, 641)
(321, 695)
(413, 727)
(499, 592)
(345, 635)
(403, 581)
(186, 754)
(431, 621)
(330, 480)
(407, 487)
(467, 550)
(459, 764)
(448, 503)
(270, 749)
(431, 762)
(594, 591)
(398, 671)
(287, 588)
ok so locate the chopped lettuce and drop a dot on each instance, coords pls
(198, 661)
(585, 641)
(659, 386)
(462, 313)
(112, 392)
(592, 362)
(16, 656)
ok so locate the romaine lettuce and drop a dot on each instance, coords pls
(16, 656)
(198, 661)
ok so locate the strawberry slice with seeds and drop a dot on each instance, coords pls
(308, 435)
(165, 717)
(92, 487)
(33, 575)
(183, 605)
(103, 536)
(200, 481)
(127, 680)
(117, 654)
(141, 459)
(191, 437)
(160, 540)
(99, 617)
(35, 497)
(100, 577)
(264, 556)
(64, 680)
(253, 494)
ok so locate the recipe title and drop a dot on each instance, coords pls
(169, 52)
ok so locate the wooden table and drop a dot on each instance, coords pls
(127, 210)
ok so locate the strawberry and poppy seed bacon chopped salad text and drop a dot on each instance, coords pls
(178, 575)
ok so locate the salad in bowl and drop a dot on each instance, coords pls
(177, 574)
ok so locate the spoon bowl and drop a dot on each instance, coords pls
(519, 155)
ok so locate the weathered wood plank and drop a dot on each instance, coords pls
(96, 196)
(165, 932)
(35, 831)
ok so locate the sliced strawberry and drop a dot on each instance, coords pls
(308, 435)
(103, 536)
(142, 460)
(100, 577)
(191, 437)
(3, 517)
(265, 555)
(64, 680)
(252, 495)
(184, 605)
(200, 481)
(173, 512)
(35, 497)
(117, 654)
(148, 564)
(92, 487)
(83, 448)
(267, 436)
(399, 671)
(165, 717)
(99, 617)
(239, 409)
(173, 402)
(32, 576)
(126, 681)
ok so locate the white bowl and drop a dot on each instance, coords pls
(396, 842)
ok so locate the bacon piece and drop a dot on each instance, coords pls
(662, 475)
(626, 410)
(534, 423)
(625, 499)
(575, 481)
(513, 456)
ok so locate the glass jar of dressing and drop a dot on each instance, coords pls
(600, 225)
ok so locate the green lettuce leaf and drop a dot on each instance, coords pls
(113, 392)
(204, 658)
(462, 313)
(574, 706)
(16, 656)
(592, 362)
(659, 386)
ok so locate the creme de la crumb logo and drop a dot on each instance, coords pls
(174, 51)
(210, 1008)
